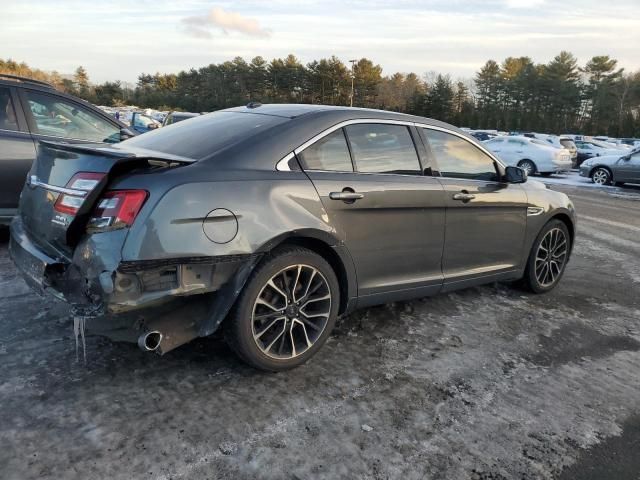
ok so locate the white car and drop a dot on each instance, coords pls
(563, 142)
(531, 154)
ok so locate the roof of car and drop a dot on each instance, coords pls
(7, 78)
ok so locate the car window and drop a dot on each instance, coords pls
(204, 136)
(383, 148)
(8, 119)
(57, 117)
(567, 143)
(328, 153)
(458, 158)
(495, 140)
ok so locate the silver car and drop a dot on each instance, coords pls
(613, 169)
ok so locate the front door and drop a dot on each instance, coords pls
(389, 214)
(628, 170)
(485, 218)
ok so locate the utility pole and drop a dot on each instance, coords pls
(353, 76)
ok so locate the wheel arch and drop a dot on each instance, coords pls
(333, 251)
(566, 219)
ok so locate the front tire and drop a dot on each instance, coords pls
(286, 311)
(601, 176)
(548, 257)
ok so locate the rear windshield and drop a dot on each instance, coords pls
(567, 143)
(206, 134)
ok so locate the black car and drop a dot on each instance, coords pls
(271, 220)
(31, 111)
(175, 117)
(482, 136)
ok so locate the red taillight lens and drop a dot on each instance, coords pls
(117, 209)
(82, 182)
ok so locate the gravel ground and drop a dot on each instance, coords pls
(485, 383)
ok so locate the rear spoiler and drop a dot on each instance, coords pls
(115, 151)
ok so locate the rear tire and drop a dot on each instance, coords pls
(286, 311)
(528, 166)
(601, 176)
(548, 257)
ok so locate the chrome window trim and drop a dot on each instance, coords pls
(33, 181)
(282, 165)
(63, 139)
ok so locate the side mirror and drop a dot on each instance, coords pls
(125, 133)
(515, 175)
(626, 158)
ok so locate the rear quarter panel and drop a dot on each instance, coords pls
(266, 208)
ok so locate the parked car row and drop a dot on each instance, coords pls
(527, 150)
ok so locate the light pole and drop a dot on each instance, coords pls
(353, 75)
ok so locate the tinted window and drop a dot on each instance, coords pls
(57, 117)
(381, 148)
(459, 158)
(206, 134)
(328, 153)
(7, 112)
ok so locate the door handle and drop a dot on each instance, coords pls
(465, 197)
(346, 196)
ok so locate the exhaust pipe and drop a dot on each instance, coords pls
(150, 341)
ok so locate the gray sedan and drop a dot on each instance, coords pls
(272, 220)
(616, 169)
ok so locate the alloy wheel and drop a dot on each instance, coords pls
(528, 167)
(600, 176)
(291, 312)
(551, 257)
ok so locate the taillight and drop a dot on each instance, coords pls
(81, 182)
(117, 209)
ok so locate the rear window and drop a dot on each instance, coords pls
(567, 143)
(206, 134)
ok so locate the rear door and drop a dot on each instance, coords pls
(390, 215)
(17, 152)
(486, 218)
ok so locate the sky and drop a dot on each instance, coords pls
(117, 40)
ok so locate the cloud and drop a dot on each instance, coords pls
(200, 26)
(524, 3)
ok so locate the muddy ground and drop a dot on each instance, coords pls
(485, 383)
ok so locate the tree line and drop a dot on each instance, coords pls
(516, 94)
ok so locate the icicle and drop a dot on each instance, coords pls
(78, 329)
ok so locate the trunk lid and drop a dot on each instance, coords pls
(65, 174)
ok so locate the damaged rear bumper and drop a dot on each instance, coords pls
(184, 298)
